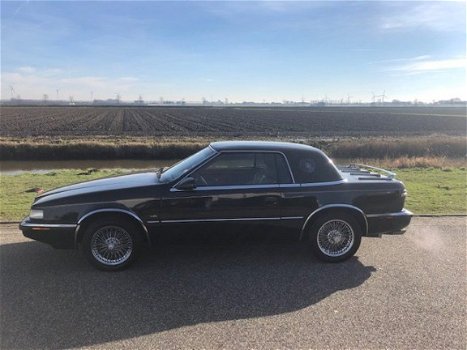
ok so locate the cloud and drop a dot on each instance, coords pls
(128, 79)
(410, 59)
(27, 69)
(422, 64)
(30, 82)
(438, 16)
(231, 10)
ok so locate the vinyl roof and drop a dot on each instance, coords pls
(260, 145)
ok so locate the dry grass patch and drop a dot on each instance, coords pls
(412, 151)
(413, 162)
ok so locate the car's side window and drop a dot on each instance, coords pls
(283, 171)
(233, 161)
(311, 168)
(243, 168)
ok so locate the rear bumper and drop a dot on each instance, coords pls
(61, 236)
(388, 223)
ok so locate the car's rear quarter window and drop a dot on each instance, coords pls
(312, 167)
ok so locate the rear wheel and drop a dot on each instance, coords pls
(111, 244)
(335, 237)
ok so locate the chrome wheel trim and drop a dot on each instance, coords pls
(111, 245)
(335, 238)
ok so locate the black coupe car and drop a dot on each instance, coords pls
(227, 184)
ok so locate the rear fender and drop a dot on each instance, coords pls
(356, 212)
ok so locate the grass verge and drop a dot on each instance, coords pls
(435, 191)
(17, 192)
(431, 190)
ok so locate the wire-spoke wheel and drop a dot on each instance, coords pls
(111, 244)
(335, 237)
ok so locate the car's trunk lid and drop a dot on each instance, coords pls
(361, 173)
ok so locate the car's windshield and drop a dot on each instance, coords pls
(180, 168)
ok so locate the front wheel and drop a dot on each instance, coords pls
(112, 244)
(335, 237)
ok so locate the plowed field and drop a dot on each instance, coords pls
(207, 121)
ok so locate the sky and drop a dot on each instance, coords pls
(240, 51)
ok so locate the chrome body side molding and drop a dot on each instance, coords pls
(259, 186)
(30, 224)
(324, 183)
(403, 212)
(225, 220)
(228, 187)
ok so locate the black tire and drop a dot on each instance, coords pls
(340, 237)
(111, 244)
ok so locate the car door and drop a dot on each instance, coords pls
(234, 187)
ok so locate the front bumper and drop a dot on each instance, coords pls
(60, 236)
(388, 223)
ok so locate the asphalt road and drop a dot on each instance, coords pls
(398, 292)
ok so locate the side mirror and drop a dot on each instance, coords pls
(187, 184)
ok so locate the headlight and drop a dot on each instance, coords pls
(36, 214)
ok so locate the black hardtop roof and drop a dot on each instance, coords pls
(261, 146)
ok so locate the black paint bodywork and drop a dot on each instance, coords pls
(376, 201)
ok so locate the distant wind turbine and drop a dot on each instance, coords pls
(383, 96)
(12, 91)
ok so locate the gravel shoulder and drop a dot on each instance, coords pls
(402, 292)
